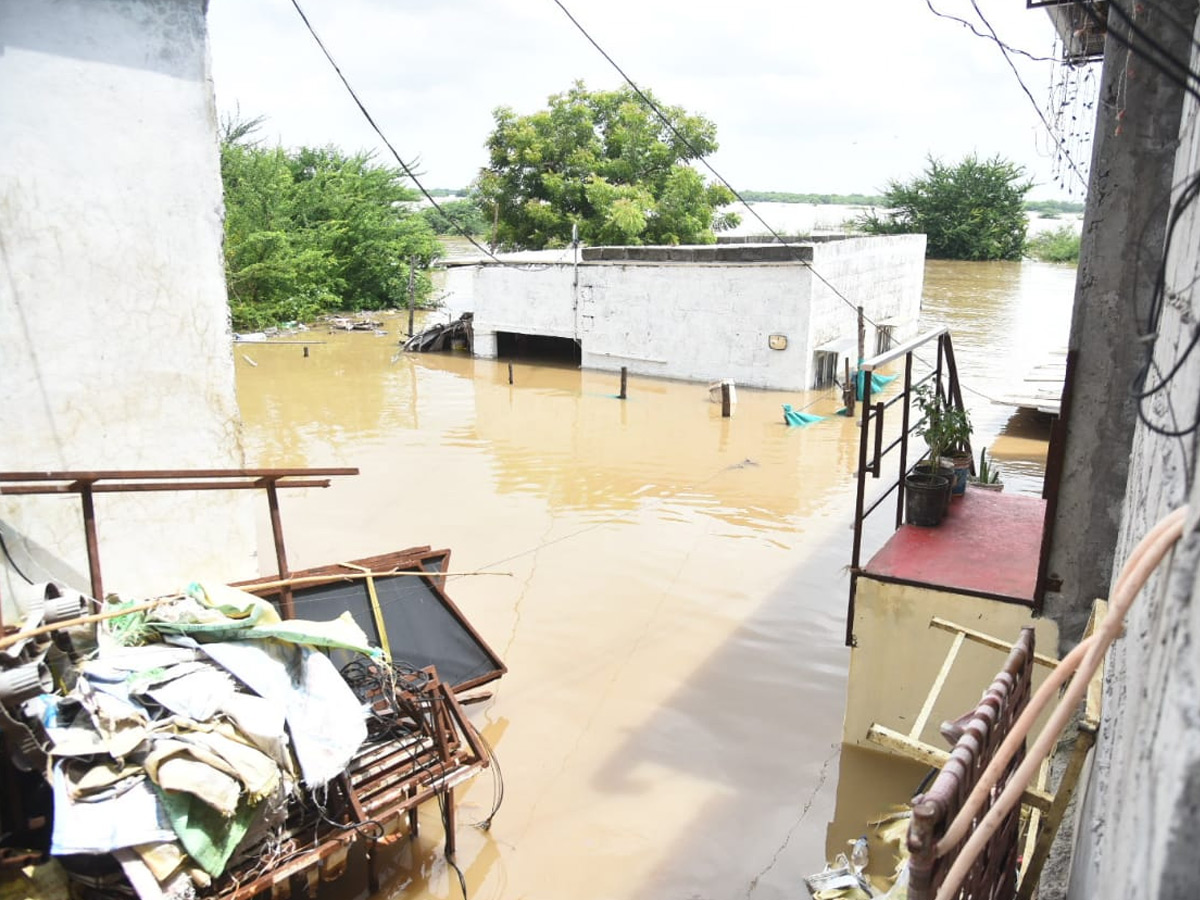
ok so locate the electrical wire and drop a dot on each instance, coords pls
(1178, 75)
(12, 562)
(992, 37)
(704, 162)
(405, 167)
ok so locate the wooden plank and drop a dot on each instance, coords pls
(934, 757)
(935, 690)
(987, 640)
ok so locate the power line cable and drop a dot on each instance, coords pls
(704, 162)
(405, 167)
(987, 37)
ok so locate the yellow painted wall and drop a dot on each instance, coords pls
(897, 656)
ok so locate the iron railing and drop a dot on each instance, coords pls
(871, 450)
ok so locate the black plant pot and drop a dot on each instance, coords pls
(945, 469)
(925, 499)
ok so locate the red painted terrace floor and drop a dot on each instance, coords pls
(988, 545)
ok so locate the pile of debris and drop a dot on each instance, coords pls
(205, 747)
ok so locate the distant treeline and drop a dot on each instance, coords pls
(1051, 207)
(825, 199)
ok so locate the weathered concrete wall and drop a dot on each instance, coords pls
(883, 274)
(1136, 129)
(702, 313)
(114, 335)
(1137, 827)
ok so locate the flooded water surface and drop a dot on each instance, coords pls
(665, 586)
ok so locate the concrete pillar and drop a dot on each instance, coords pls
(1137, 131)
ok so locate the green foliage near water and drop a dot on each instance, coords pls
(465, 213)
(314, 231)
(972, 210)
(1060, 245)
(601, 161)
(818, 199)
(1050, 208)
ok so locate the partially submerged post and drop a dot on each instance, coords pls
(412, 291)
(725, 400)
(510, 380)
(624, 382)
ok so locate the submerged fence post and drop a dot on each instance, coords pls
(510, 381)
(412, 292)
(306, 351)
(624, 382)
(725, 404)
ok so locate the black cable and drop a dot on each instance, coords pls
(704, 162)
(403, 165)
(12, 562)
(462, 879)
(992, 37)
(1174, 77)
(1041, 115)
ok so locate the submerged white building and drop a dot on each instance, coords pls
(774, 316)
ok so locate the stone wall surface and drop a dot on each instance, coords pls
(1140, 816)
(114, 330)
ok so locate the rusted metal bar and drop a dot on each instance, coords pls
(141, 474)
(164, 486)
(905, 416)
(93, 542)
(1052, 481)
(878, 439)
(285, 592)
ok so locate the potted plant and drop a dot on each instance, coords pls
(927, 487)
(947, 431)
(988, 476)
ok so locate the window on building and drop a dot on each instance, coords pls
(825, 367)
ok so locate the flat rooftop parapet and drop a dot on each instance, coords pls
(988, 546)
(702, 253)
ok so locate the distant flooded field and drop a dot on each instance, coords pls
(672, 603)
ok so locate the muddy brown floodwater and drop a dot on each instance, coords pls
(672, 602)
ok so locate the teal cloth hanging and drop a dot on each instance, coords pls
(795, 417)
(878, 382)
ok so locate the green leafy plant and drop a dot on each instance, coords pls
(972, 210)
(1060, 245)
(601, 162)
(988, 473)
(945, 427)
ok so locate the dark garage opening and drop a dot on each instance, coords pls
(537, 348)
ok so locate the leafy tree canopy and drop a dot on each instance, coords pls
(465, 213)
(314, 230)
(972, 210)
(603, 161)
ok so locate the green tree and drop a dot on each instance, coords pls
(603, 162)
(1060, 245)
(465, 213)
(972, 210)
(314, 230)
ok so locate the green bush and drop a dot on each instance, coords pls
(1060, 245)
(972, 210)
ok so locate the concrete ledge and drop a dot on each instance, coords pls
(729, 253)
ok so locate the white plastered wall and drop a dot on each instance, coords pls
(114, 336)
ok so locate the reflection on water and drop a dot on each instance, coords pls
(674, 607)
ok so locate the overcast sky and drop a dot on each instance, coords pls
(833, 97)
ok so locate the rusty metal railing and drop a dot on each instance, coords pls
(88, 484)
(994, 874)
(871, 449)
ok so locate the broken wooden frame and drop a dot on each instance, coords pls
(88, 484)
